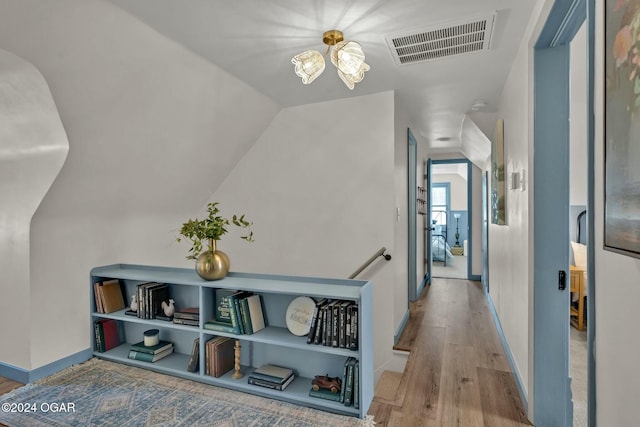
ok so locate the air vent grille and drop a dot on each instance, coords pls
(434, 43)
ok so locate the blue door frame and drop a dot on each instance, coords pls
(470, 276)
(552, 405)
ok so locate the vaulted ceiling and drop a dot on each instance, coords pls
(255, 41)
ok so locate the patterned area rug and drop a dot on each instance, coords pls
(102, 393)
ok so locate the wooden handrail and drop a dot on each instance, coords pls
(366, 264)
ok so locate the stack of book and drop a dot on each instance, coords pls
(153, 353)
(272, 376)
(108, 295)
(219, 356)
(350, 389)
(334, 324)
(236, 312)
(150, 298)
(187, 316)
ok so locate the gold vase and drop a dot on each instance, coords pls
(212, 264)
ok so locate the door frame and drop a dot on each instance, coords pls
(552, 404)
(470, 276)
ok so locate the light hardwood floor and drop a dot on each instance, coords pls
(457, 373)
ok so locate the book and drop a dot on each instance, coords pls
(154, 349)
(189, 313)
(356, 384)
(107, 336)
(344, 378)
(146, 357)
(245, 315)
(314, 320)
(222, 308)
(348, 383)
(97, 297)
(353, 341)
(220, 327)
(226, 309)
(317, 337)
(220, 356)
(155, 296)
(111, 295)
(269, 378)
(342, 330)
(279, 373)
(325, 394)
(194, 358)
(335, 323)
(255, 313)
(269, 384)
(178, 321)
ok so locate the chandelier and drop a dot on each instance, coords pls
(347, 56)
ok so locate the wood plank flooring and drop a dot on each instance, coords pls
(457, 373)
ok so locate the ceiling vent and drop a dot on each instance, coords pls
(431, 43)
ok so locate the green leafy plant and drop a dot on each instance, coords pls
(211, 229)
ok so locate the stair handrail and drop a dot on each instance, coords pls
(380, 252)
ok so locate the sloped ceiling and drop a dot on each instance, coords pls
(255, 40)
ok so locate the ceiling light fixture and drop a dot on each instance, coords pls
(347, 56)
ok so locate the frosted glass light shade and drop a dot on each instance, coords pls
(348, 57)
(308, 65)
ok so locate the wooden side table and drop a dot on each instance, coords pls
(577, 285)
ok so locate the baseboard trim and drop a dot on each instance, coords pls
(424, 282)
(475, 277)
(25, 376)
(403, 324)
(507, 352)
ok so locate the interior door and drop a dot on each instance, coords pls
(427, 221)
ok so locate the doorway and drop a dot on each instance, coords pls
(449, 219)
(552, 403)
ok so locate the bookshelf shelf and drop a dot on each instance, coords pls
(273, 344)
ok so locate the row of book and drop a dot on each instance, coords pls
(139, 351)
(236, 312)
(271, 376)
(108, 295)
(349, 393)
(219, 356)
(150, 297)
(106, 334)
(334, 324)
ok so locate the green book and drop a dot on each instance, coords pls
(246, 316)
(223, 313)
(220, 327)
(348, 393)
(146, 357)
(154, 349)
(325, 394)
(356, 384)
(344, 378)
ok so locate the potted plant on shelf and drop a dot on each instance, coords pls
(211, 264)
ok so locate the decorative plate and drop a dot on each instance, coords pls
(299, 314)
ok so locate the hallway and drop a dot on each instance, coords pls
(457, 373)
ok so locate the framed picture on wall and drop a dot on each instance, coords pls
(622, 127)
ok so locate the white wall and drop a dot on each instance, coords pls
(617, 292)
(319, 187)
(401, 215)
(510, 246)
(458, 188)
(151, 136)
(33, 146)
